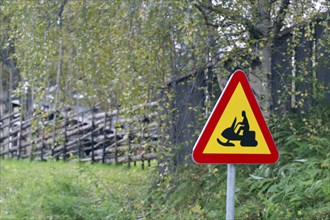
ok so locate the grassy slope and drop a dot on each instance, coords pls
(297, 187)
(57, 190)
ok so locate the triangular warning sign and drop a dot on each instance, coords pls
(236, 131)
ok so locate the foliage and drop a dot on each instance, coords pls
(123, 53)
(55, 190)
(297, 187)
(112, 51)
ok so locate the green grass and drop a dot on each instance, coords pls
(58, 190)
(297, 187)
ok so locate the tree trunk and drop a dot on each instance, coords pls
(260, 77)
(59, 73)
(260, 80)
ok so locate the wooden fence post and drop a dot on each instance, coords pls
(65, 134)
(42, 142)
(10, 109)
(79, 133)
(105, 137)
(92, 135)
(53, 136)
(1, 135)
(142, 142)
(1, 92)
(19, 140)
(31, 143)
(129, 145)
(1, 109)
(134, 151)
(116, 142)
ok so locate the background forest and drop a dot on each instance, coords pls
(180, 54)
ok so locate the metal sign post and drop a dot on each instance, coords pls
(230, 201)
(220, 143)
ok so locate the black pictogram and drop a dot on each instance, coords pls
(248, 137)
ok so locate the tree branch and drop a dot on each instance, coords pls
(280, 16)
(228, 14)
(324, 16)
(61, 9)
(59, 13)
(205, 16)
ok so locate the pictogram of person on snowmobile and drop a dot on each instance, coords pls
(247, 138)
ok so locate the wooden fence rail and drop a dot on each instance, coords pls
(103, 137)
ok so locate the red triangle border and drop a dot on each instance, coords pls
(198, 156)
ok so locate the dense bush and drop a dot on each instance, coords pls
(297, 187)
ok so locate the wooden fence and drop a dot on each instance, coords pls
(118, 136)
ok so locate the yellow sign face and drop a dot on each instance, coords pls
(237, 131)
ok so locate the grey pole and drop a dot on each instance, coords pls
(230, 202)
